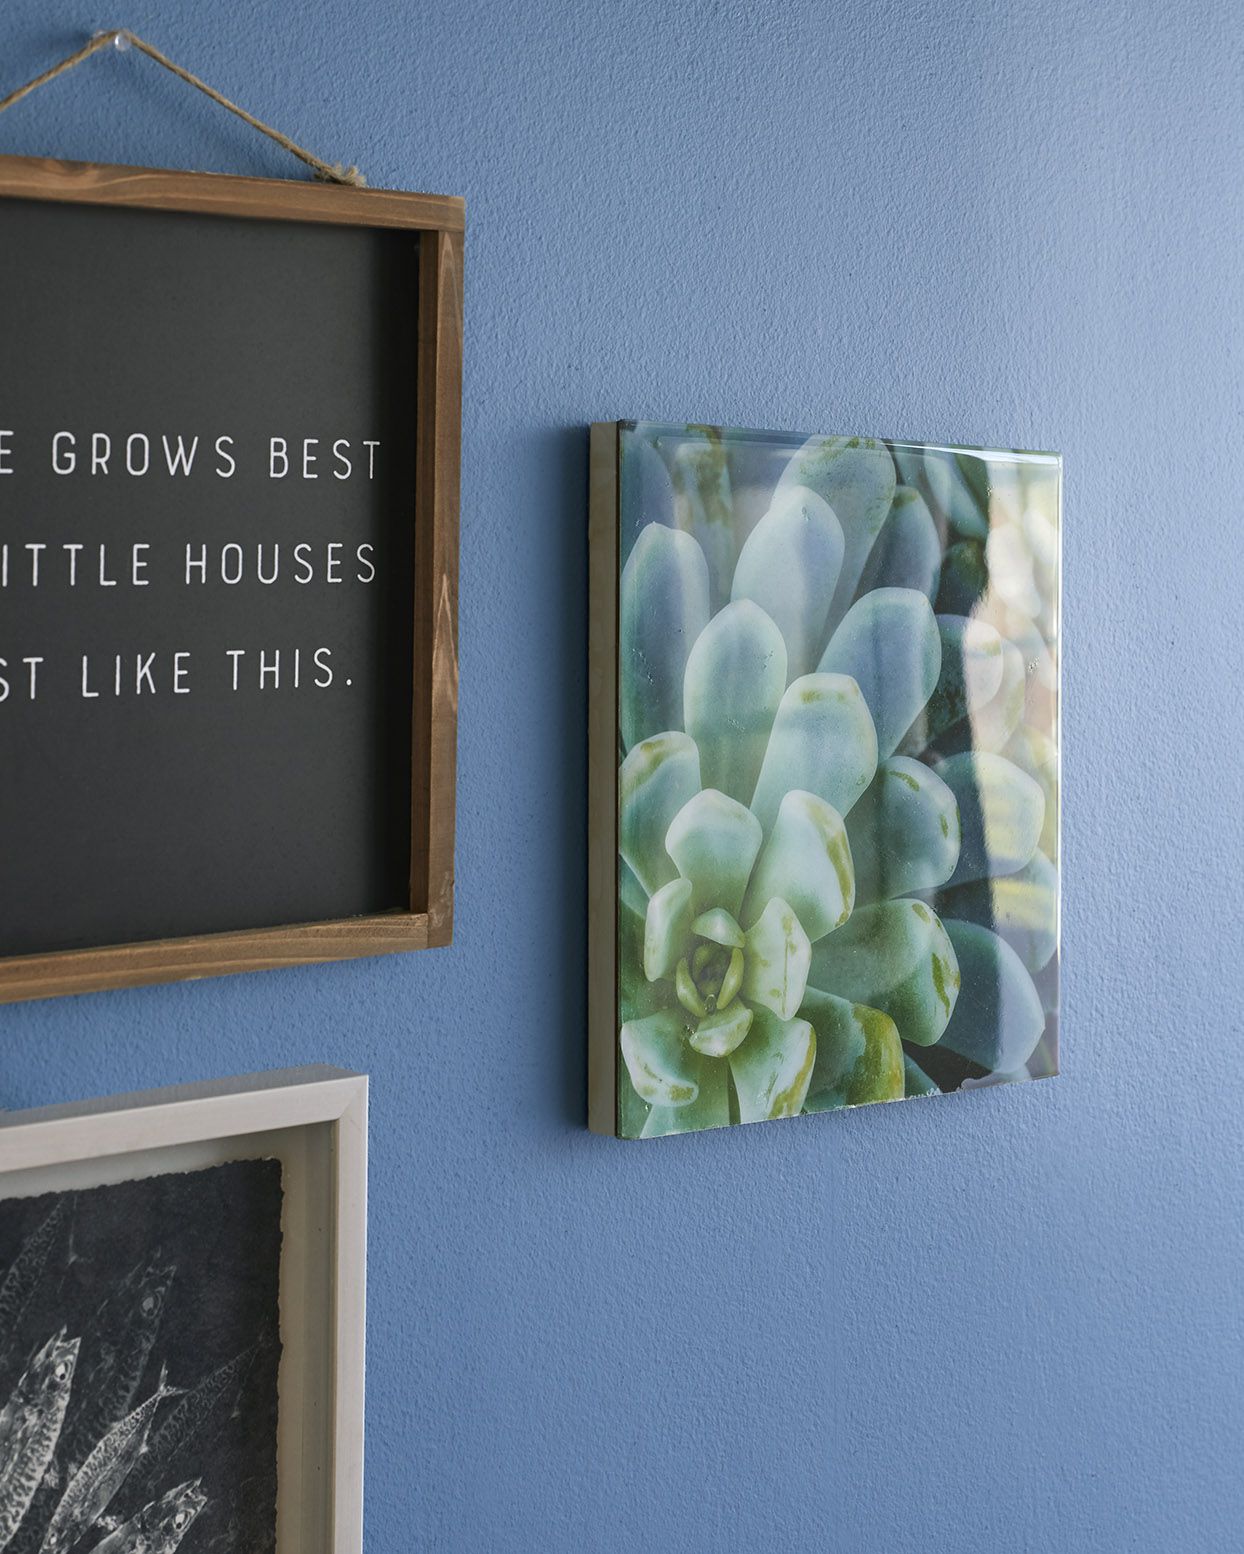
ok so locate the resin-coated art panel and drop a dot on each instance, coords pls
(139, 1349)
(837, 788)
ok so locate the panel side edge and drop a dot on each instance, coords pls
(602, 769)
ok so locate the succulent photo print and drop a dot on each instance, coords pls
(824, 747)
(139, 1351)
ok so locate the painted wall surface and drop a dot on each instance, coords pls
(1006, 1320)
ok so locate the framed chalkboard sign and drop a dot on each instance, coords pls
(229, 439)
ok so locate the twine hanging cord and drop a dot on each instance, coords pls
(122, 38)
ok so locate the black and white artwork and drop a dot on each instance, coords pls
(139, 1349)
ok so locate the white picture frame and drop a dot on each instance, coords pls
(314, 1120)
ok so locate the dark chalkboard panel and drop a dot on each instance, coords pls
(228, 446)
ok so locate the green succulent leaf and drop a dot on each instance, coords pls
(704, 502)
(855, 476)
(1021, 908)
(964, 578)
(1046, 982)
(663, 608)
(966, 486)
(976, 471)
(789, 566)
(735, 676)
(667, 928)
(859, 1057)
(998, 1019)
(1011, 574)
(938, 475)
(631, 893)
(1003, 487)
(1041, 672)
(717, 1035)
(713, 841)
(720, 928)
(991, 726)
(894, 956)
(806, 861)
(997, 720)
(663, 1069)
(1001, 813)
(637, 996)
(823, 742)
(1040, 524)
(971, 673)
(776, 957)
(1034, 752)
(909, 461)
(773, 1067)
(889, 644)
(632, 1112)
(907, 553)
(904, 832)
(710, 1109)
(647, 490)
(658, 777)
(688, 994)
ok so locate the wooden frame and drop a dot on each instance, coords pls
(315, 1121)
(602, 787)
(440, 221)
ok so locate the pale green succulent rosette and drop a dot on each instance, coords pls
(837, 866)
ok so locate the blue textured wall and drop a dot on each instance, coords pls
(1010, 1320)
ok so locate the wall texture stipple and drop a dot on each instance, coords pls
(1006, 1320)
